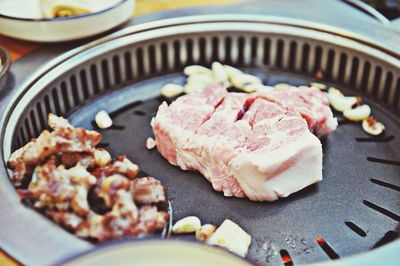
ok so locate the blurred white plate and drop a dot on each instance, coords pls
(21, 19)
(156, 253)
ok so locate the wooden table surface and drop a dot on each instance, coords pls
(18, 49)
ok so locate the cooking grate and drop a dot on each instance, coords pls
(355, 208)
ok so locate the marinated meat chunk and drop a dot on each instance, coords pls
(69, 178)
(54, 187)
(63, 139)
(147, 190)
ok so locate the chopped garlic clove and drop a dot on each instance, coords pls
(317, 85)
(196, 69)
(241, 81)
(340, 103)
(232, 71)
(103, 120)
(193, 87)
(373, 126)
(281, 86)
(205, 231)
(334, 91)
(150, 143)
(232, 237)
(186, 225)
(220, 75)
(358, 114)
(200, 79)
(170, 90)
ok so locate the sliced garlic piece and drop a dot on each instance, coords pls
(232, 71)
(170, 90)
(281, 86)
(205, 231)
(150, 143)
(240, 81)
(341, 103)
(259, 88)
(373, 126)
(357, 114)
(186, 225)
(232, 237)
(193, 87)
(318, 85)
(201, 79)
(103, 120)
(220, 75)
(196, 69)
(333, 90)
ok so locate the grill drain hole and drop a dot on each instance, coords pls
(387, 238)
(356, 229)
(326, 248)
(376, 139)
(385, 184)
(286, 259)
(383, 161)
(382, 210)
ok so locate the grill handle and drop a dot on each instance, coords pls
(394, 24)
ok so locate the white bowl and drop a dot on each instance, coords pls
(65, 28)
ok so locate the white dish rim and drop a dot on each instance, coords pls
(82, 16)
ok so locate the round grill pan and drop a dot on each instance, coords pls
(354, 209)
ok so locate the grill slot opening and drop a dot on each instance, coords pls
(382, 210)
(356, 229)
(75, 93)
(329, 65)
(292, 55)
(342, 67)
(128, 65)
(84, 84)
(254, 50)
(304, 60)
(267, 47)
(384, 139)
(377, 81)
(279, 53)
(326, 248)
(385, 184)
(285, 257)
(317, 59)
(42, 116)
(365, 76)
(215, 50)
(117, 69)
(189, 49)
(94, 79)
(57, 104)
(388, 87)
(383, 161)
(354, 71)
(34, 124)
(387, 238)
(139, 62)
